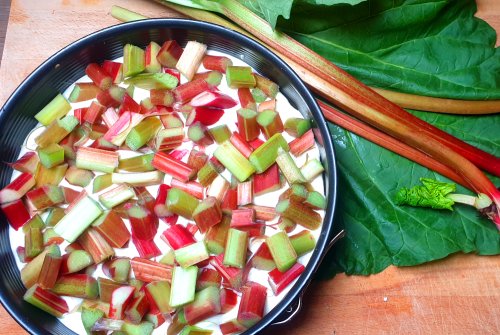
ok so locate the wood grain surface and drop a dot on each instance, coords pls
(458, 295)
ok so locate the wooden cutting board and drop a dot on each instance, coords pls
(458, 295)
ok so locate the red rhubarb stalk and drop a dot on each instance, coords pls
(178, 236)
(213, 100)
(172, 166)
(16, 213)
(17, 188)
(280, 280)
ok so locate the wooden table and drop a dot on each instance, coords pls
(459, 295)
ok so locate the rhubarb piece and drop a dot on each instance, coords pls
(286, 225)
(270, 123)
(168, 139)
(174, 167)
(297, 127)
(161, 97)
(149, 271)
(114, 69)
(118, 132)
(234, 161)
(236, 248)
(94, 112)
(281, 249)
(112, 97)
(191, 254)
(197, 159)
(96, 245)
(31, 271)
(185, 92)
(133, 60)
(90, 316)
(183, 285)
(141, 163)
(215, 238)
(315, 200)
(99, 76)
(142, 133)
(116, 196)
(77, 285)
(245, 193)
(96, 159)
(143, 328)
(228, 300)
(263, 213)
(207, 174)
(105, 325)
(178, 323)
(253, 301)
(152, 65)
(75, 261)
(280, 280)
(120, 299)
(207, 214)
(56, 131)
(205, 115)
(208, 278)
(160, 207)
(171, 120)
(213, 100)
(270, 88)
(146, 248)
(246, 98)
(292, 173)
(158, 295)
(35, 222)
(216, 63)
(83, 92)
(231, 327)
(312, 169)
(149, 81)
(197, 133)
(218, 188)
(46, 300)
(269, 104)
(143, 222)
(169, 54)
(49, 271)
(78, 219)
(16, 213)
(247, 124)
(33, 242)
(239, 143)
(168, 258)
(192, 187)
(101, 182)
(106, 288)
(112, 228)
(262, 258)
(178, 236)
(27, 163)
(240, 77)
(118, 269)
(17, 188)
(230, 201)
(54, 110)
(242, 217)
(220, 133)
(258, 95)
(78, 177)
(138, 179)
(51, 155)
(265, 155)
(206, 304)
(303, 242)
(303, 143)
(267, 181)
(181, 203)
(213, 78)
(190, 59)
(137, 308)
(296, 193)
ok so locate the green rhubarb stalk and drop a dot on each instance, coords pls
(101, 182)
(55, 109)
(141, 163)
(297, 127)
(235, 254)
(181, 203)
(265, 155)
(289, 169)
(51, 155)
(142, 133)
(31, 271)
(311, 169)
(72, 225)
(124, 14)
(150, 81)
(139, 178)
(240, 77)
(183, 285)
(220, 133)
(282, 250)
(33, 242)
(133, 60)
(191, 254)
(303, 242)
(234, 161)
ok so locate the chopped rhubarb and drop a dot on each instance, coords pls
(99, 76)
(83, 92)
(54, 110)
(149, 271)
(191, 58)
(49, 271)
(303, 143)
(204, 115)
(143, 222)
(46, 300)
(118, 269)
(96, 159)
(213, 100)
(158, 295)
(78, 219)
(228, 299)
(191, 254)
(236, 277)
(208, 277)
(183, 286)
(216, 63)
(146, 248)
(137, 308)
(252, 304)
(242, 145)
(207, 214)
(240, 77)
(114, 69)
(174, 167)
(77, 285)
(120, 299)
(27, 163)
(269, 104)
(17, 188)
(280, 280)
(75, 261)
(178, 236)
(281, 249)
(16, 213)
(247, 124)
(181, 203)
(206, 304)
(220, 133)
(169, 54)
(112, 228)
(246, 99)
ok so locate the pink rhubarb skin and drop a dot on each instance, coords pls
(18, 188)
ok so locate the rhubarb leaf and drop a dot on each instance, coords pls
(427, 47)
(271, 10)
(379, 232)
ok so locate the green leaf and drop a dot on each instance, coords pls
(380, 233)
(270, 10)
(430, 47)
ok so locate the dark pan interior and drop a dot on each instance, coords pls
(65, 67)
